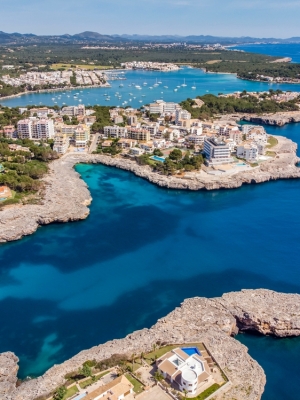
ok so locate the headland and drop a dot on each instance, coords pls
(66, 196)
(212, 322)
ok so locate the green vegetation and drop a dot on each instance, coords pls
(93, 379)
(113, 149)
(137, 386)
(49, 56)
(70, 392)
(212, 389)
(23, 169)
(60, 393)
(175, 162)
(272, 142)
(245, 104)
(250, 69)
(102, 117)
(60, 66)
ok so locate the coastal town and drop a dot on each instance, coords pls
(63, 78)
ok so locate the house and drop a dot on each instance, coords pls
(136, 151)
(248, 151)
(186, 368)
(5, 193)
(126, 143)
(148, 147)
(118, 389)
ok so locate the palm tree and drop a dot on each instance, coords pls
(185, 393)
(158, 376)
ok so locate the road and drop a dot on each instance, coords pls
(93, 146)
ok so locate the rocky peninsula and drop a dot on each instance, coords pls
(274, 119)
(212, 321)
(66, 196)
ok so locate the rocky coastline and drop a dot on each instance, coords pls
(274, 119)
(66, 196)
(212, 321)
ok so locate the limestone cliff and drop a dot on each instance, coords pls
(66, 196)
(212, 321)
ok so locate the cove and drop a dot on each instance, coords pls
(205, 83)
(143, 250)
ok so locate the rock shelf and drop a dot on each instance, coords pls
(66, 196)
(212, 321)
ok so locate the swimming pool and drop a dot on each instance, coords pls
(191, 350)
(241, 165)
(156, 158)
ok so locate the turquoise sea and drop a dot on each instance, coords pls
(143, 250)
(204, 83)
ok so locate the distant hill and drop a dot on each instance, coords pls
(95, 37)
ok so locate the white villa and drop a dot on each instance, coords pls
(187, 368)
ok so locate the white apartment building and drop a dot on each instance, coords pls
(43, 129)
(162, 107)
(40, 112)
(24, 129)
(216, 151)
(181, 114)
(196, 130)
(136, 151)
(61, 143)
(153, 128)
(81, 136)
(248, 151)
(196, 139)
(156, 108)
(73, 111)
(138, 134)
(132, 119)
(115, 131)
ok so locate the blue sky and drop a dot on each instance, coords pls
(260, 18)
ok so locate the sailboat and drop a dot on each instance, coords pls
(184, 84)
(194, 87)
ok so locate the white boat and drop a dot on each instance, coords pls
(166, 87)
(194, 87)
(175, 90)
(140, 101)
(145, 83)
(159, 83)
(143, 95)
(121, 85)
(138, 87)
(184, 84)
(178, 87)
(150, 87)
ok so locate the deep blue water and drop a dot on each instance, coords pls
(144, 249)
(139, 254)
(281, 50)
(205, 83)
